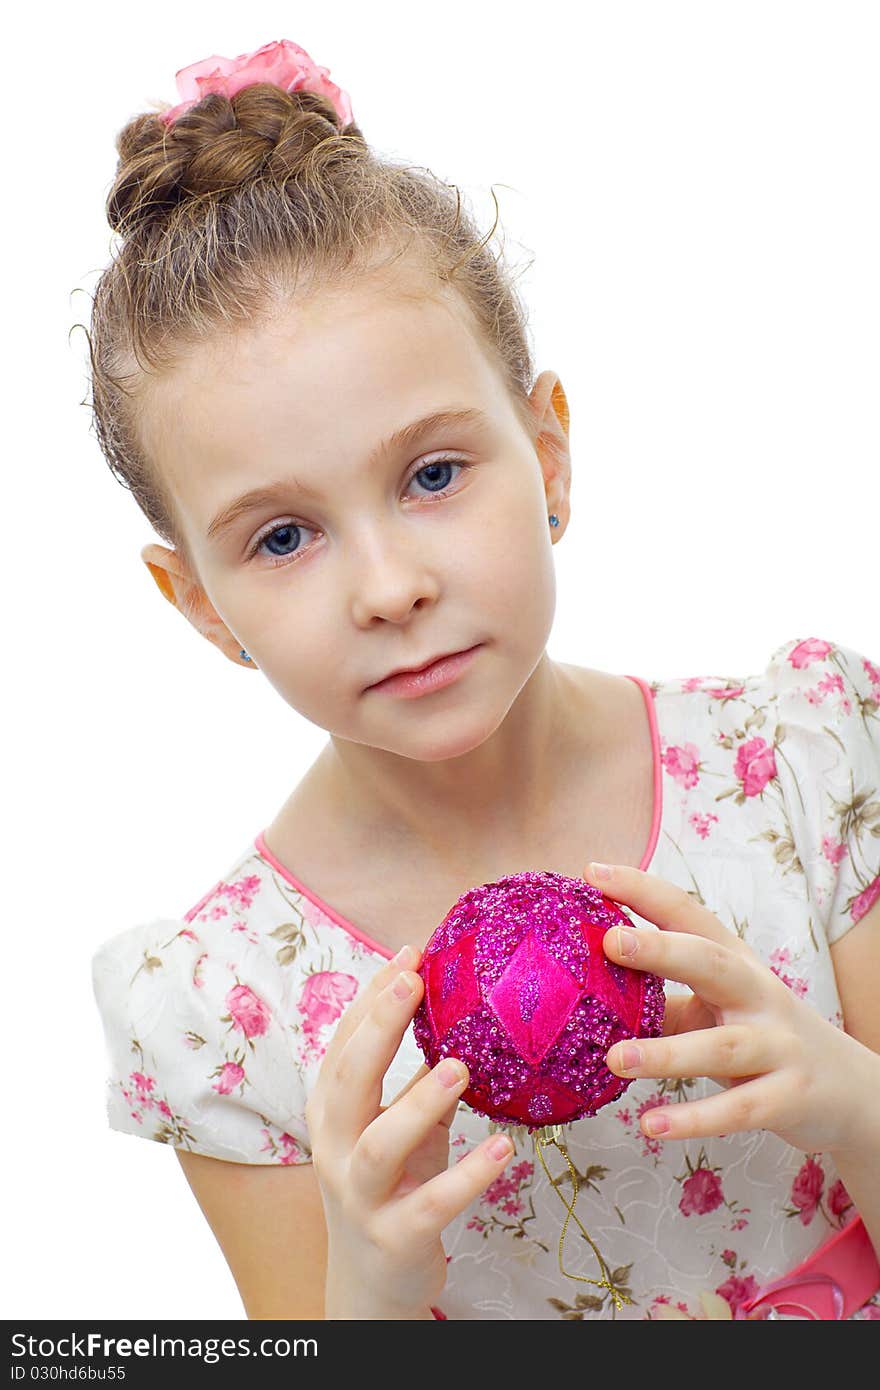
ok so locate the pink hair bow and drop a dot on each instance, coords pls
(282, 63)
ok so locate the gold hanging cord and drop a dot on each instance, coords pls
(552, 1135)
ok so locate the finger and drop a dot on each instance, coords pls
(366, 996)
(430, 1207)
(731, 1050)
(684, 1013)
(423, 1070)
(721, 977)
(758, 1104)
(665, 904)
(380, 1155)
(417, 1076)
(352, 1079)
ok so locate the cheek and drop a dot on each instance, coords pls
(513, 563)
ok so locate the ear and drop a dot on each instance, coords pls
(550, 406)
(187, 595)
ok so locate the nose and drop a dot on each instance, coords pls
(391, 575)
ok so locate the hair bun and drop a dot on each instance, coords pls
(219, 145)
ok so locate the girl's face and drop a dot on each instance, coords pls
(366, 554)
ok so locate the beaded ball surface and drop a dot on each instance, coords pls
(518, 987)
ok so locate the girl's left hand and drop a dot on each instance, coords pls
(785, 1068)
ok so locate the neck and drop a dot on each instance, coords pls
(501, 794)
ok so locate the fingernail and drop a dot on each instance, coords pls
(657, 1123)
(450, 1072)
(500, 1147)
(598, 870)
(627, 941)
(402, 987)
(405, 956)
(630, 1056)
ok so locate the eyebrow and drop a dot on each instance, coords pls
(401, 439)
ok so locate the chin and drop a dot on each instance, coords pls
(454, 738)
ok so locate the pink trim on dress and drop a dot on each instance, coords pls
(264, 850)
(265, 853)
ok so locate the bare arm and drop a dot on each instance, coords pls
(268, 1220)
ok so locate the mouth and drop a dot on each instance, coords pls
(432, 676)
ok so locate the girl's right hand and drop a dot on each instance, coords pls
(383, 1171)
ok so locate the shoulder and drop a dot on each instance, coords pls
(828, 676)
(213, 1020)
(827, 699)
(827, 750)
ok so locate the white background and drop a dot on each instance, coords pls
(697, 184)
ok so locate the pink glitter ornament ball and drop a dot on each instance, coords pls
(518, 987)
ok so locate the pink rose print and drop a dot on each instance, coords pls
(724, 692)
(780, 958)
(291, 1150)
(248, 1011)
(700, 1193)
(866, 899)
(323, 998)
(702, 823)
(140, 1098)
(839, 1200)
(828, 685)
(627, 1118)
(243, 891)
(806, 652)
(683, 764)
(738, 1290)
(239, 894)
(831, 683)
(806, 1190)
(230, 1076)
(833, 850)
(710, 1306)
(506, 1197)
(755, 765)
(287, 1149)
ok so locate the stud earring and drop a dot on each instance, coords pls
(554, 519)
(243, 654)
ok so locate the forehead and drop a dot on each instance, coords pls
(327, 377)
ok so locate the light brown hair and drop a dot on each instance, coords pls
(227, 213)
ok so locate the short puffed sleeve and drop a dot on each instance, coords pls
(827, 751)
(200, 1056)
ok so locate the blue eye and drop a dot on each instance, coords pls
(283, 532)
(441, 466)
(289, 532)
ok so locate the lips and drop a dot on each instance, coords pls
(414, 670)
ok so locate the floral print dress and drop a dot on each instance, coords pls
(767, 811)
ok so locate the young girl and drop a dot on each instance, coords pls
(315, 380)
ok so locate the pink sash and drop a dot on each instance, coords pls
(834, 1282)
